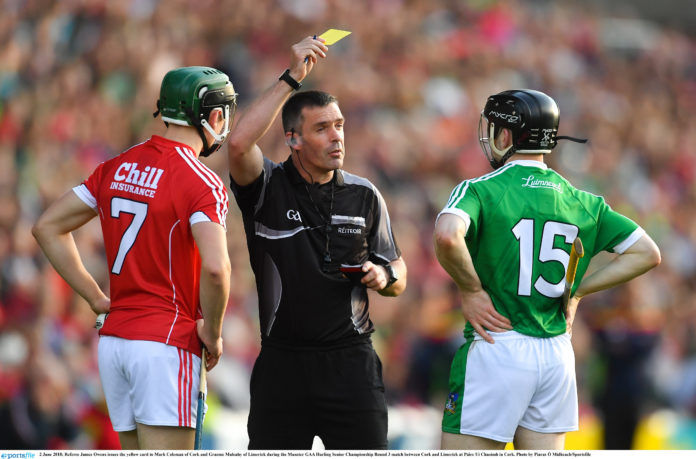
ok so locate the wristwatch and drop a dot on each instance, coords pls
(294, 84)
(391, 272)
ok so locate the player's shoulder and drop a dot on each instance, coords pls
(190, 170)
(593, 204)
(118, 160)
(496, 178)
(580, 194)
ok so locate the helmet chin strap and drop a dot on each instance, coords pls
(219, 138)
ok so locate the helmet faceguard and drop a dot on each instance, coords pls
(189, 94)
(532, 118)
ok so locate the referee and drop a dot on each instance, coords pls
(307, 224)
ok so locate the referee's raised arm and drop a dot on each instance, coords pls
(245, 157)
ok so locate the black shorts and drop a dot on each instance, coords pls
(336, 394)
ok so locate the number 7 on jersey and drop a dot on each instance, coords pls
(139, 212)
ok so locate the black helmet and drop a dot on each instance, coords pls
(532, 118)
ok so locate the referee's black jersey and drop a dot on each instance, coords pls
(303, 297)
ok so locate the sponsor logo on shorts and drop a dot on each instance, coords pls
(451, 404)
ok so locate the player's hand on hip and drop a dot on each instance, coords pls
(572, 309)
(479, 311)
(304, 55)
(213, 345)
(101, 305)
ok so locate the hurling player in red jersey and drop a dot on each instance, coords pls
(162, 214)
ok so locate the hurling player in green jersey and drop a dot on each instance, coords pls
(505, 239)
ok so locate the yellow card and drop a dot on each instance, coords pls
(333, 35)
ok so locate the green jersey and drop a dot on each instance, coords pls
(521, 222)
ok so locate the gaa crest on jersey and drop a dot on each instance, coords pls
(451, 404)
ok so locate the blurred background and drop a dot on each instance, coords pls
(78, 85)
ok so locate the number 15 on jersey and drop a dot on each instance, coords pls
(524, 232)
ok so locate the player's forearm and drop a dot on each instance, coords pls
(460, 268)
(639, 258)
(61, 251)
(214, 277)
(453, 255)
(53, 232)
(214, 294)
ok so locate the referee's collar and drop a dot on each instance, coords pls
(296, 178)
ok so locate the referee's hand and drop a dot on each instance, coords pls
(304, 55)
(375, 276)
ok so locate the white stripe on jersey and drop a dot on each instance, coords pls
(269, 233)
(209, 178)
(454, 201)
(455, 192)
(459, 213)
(218, 182)
(84, 194)
(214, 182)
(629, 241)
(198, 217)
(347, 219)
(176, 316)
(460, 194)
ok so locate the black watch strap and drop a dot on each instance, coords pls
(392, 275)
(294, 84)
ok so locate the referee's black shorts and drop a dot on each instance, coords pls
(336, 394)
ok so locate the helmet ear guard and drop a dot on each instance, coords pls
(532, 118)
(189, 94)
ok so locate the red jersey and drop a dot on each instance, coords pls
(147, 199)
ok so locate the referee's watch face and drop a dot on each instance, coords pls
(321, 144)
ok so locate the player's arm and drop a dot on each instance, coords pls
(454, 256)
(214, 286)
(53, 232)
(642, 256)
(245, 157)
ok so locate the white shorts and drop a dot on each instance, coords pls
(518, 381)
(149, 383)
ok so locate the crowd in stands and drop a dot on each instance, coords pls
(78, 84)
